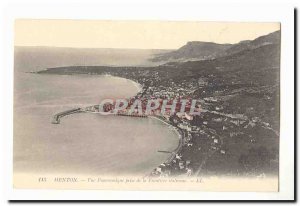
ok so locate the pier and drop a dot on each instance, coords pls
(132, 115)
(56, 117)
(163, 151)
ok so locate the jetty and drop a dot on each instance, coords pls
(56, 117)
(163, 151)
(132, 115)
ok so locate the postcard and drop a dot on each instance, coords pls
(126, 105)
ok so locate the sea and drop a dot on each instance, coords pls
(83, 143)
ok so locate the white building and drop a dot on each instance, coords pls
(188, 116)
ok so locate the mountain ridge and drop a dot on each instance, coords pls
(198, 50)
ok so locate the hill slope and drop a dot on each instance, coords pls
(195, 51)
(272, 38)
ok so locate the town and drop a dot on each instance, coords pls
(237, 130)
(206, 140)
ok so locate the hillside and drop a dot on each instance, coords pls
(272, 38)
(195, 51)
(259, 66)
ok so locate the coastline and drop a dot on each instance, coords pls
(137, 85)
(139, 88)
(180, 141)
(180, 136)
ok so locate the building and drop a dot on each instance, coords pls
(188, 162)
(183, 126)
(202, 82)
(217, 119)
(188, 116)
(158, 169)
(190, 144)
(181, 165)
(189, 171)
(219, 108)
(177, 156)
(180, 114)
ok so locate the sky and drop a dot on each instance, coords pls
(133, 34)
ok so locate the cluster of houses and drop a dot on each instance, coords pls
(213, 127)
(174, 90)
(177, 166)
(214, 123)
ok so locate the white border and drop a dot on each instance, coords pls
(169, 10)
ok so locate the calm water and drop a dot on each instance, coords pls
(82, 143)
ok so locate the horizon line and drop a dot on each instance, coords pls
(70, 47)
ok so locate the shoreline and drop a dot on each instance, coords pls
(180, 141)
(139, 88)
(180, 136)
(137, 85)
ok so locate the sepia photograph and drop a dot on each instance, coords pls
(169, 105)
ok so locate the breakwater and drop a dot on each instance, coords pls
(132, 115)
(56, 117)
